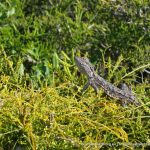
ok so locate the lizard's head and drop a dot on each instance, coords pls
(84, 65)
(81, 59)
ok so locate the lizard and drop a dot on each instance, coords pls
(123, 94)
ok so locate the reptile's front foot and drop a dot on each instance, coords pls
(124, 104)
(85, 87)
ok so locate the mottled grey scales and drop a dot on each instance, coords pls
(123, 94)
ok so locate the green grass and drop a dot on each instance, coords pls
(41, 106)
(43, 119)
(55, 117)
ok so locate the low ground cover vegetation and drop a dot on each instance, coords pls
(41, 104)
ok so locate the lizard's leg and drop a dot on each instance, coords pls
(124, 103)
(132, 97)
(93, 84)
(85, 87)
(124, 87)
